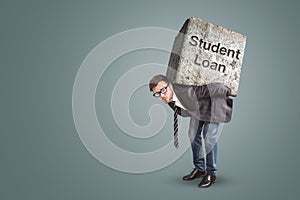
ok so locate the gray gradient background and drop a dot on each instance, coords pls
(43, 44)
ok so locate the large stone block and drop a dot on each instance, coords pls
(205, 53)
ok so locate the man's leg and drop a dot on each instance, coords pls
(197, 149)
(210, 134)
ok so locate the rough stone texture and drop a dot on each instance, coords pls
(191, 64)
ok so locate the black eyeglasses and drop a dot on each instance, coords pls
(162, 91)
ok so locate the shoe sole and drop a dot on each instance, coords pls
(207, 185)
(194, 178)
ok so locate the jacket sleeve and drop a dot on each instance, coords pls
(212, 90)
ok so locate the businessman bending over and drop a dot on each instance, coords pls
(207, 106)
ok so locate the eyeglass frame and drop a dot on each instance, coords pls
(161, 91)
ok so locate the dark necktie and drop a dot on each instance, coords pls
(176, 109)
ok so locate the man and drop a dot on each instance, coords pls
(207, 106)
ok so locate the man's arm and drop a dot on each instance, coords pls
(212, 90)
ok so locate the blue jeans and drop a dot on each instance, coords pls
(210, 135)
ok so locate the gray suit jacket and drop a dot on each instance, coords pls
(210, 103)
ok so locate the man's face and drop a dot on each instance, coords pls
(168, 95)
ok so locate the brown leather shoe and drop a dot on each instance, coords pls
(207, 181)
(193, 175)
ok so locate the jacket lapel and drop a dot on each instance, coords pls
(186, 96)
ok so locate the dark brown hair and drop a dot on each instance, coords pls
(156, 79)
